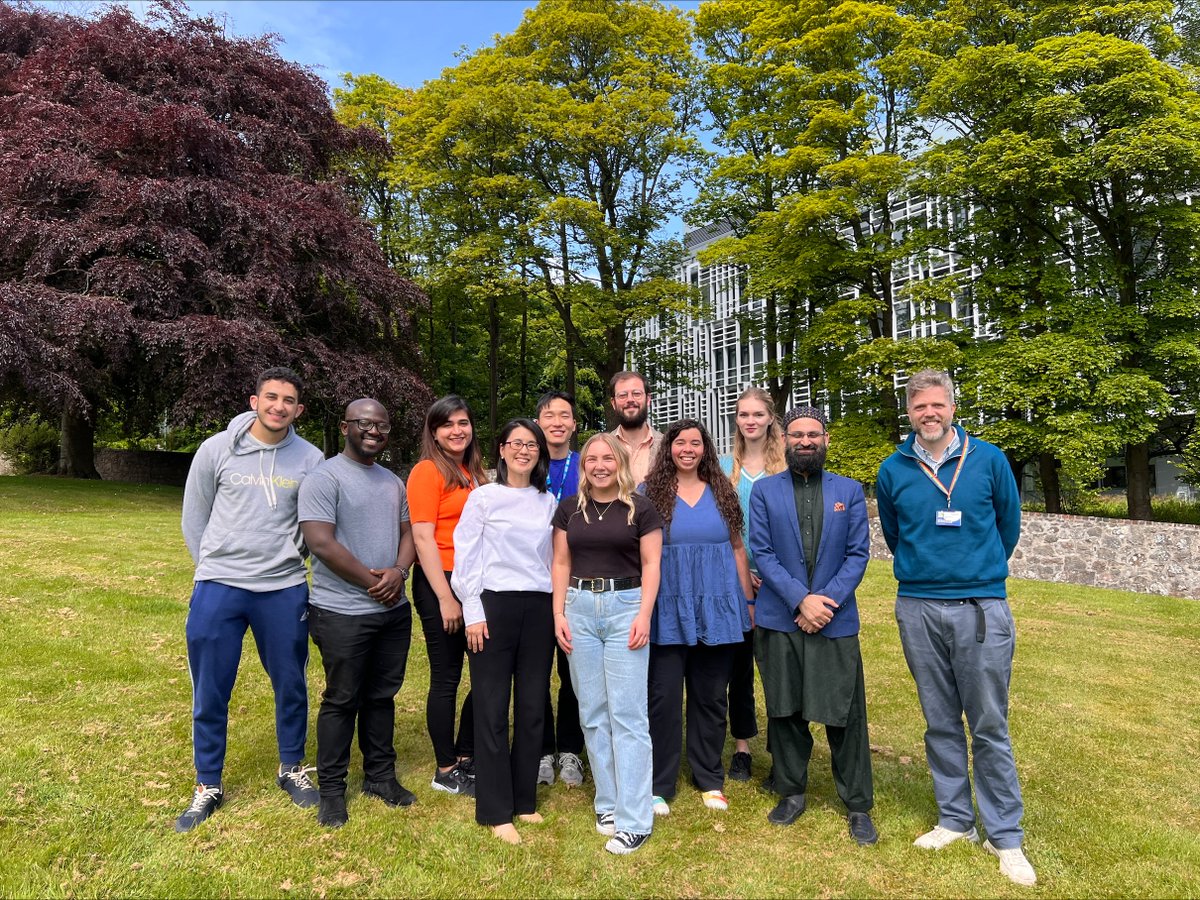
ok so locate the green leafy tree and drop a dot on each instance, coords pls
(1071, 125)
(813, 119)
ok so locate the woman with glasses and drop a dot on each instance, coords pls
(702, 611)
(607, 542)
(438, 486)
(502, 552)
(757, 453)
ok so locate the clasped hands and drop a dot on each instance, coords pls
(815, 612)
(388, 590)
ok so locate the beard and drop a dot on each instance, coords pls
(806, 463)
(633, 420)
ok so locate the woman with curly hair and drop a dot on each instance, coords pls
(701, 614)
(757, 453)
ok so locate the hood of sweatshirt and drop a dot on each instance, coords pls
(242, 443)
(239, 509)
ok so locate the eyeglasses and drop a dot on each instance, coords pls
(518, 445)
(368, 425)
(800, 435)
(630, 395)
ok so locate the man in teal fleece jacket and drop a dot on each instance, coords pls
(950, 511)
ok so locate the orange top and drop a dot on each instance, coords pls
(429, 500)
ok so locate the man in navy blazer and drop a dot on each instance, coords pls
(809, 534)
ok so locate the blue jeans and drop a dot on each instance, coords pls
(610, 681)
(956, 673)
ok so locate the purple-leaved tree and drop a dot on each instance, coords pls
(171, 223)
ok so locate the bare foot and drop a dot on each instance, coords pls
(532, 818)
(506, 833)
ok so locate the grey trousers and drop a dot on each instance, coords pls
(958, 674)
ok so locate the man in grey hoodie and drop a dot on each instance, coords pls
(241, 527)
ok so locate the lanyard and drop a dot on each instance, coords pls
(957, 471)
(562, 483)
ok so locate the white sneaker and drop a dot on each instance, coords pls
(1013, 864)
(660, 807)
(546, 769)
(943, 837)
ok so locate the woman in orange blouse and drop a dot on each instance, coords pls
(438, 486)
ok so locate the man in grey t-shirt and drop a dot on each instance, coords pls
(354, 515)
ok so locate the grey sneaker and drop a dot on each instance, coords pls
(570, 769)
(205, 801)
(296, 784)
(546, 769)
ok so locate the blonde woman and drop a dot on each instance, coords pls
(757, 453)
(607, 546)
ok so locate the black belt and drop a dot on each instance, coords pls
(980, 617)
(601, 585)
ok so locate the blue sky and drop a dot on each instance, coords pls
(405, 41)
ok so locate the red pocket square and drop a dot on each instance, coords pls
(839, 507)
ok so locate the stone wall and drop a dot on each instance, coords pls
(144, 466)
(1147, 557)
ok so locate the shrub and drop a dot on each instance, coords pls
(30, 446)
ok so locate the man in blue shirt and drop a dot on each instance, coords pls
(556, 416)
(951, 513)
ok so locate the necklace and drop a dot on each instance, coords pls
(599, 514)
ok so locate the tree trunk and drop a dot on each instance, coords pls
(331, 437)
(493, 314)
(1051, 489)
(1137, 484)
(77, 453)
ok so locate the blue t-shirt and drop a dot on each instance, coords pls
(563, 479)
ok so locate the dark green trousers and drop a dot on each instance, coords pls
(819, 665)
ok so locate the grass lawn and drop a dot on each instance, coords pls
(95, 754)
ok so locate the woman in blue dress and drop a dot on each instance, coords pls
(757, 453)
(701, 614)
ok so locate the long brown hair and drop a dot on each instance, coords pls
(438, 415)
(625, 485)
(662, 481)
(773, 458)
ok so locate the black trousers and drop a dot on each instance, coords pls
(364, 658)
(791, 745)
(513, 666)
(564, 734)
(445, 652)
(743, 723)
(705, 670)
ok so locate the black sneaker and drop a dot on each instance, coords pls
(205, 801)
(392, 792)
(295, 784)
(606, 824)
(454, 781)
(332, 811)
(466, 765)
(739, 767)
(625, 842)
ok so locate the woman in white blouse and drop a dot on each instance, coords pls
(502, 552)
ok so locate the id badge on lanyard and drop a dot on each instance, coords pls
(948, 518)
